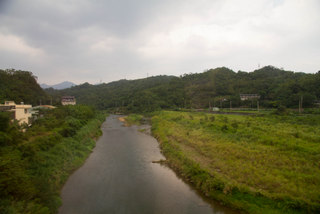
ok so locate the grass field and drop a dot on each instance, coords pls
(259, 164)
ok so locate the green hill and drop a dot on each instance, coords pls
(20, 86)
(275, 86)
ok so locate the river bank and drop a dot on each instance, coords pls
(33, 171)
(119, 177)
(253, 164)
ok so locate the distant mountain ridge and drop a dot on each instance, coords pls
(59, 86)
(219, 87)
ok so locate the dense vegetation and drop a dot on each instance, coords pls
(35, 164)
(21, 86)
(259, 164)
(215, 87)
(252, 163)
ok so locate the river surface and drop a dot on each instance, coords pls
(119, 177)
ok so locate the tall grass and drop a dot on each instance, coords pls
(252, 163)
(134, 119)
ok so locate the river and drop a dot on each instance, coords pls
(119, 177)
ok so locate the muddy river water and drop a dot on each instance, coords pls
(119, 177)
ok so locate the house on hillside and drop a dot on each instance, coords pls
(21, 113)
(249, 97)
(68, 100)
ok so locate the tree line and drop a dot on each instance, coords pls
(218, 87)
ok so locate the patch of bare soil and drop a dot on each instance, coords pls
(123, 119)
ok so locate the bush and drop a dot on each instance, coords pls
(224, 128)
(4, 121)
(281, 110)
(35, 164)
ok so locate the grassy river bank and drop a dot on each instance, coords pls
(35, 166)
(256, 164)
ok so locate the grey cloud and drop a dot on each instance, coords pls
(89, 40)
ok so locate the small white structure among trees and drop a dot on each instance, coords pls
(68, 100)
(249, 97)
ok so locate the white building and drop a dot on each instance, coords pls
(249, 96)
(21, 113)
(68, 100)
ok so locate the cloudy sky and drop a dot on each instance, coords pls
(95, 40)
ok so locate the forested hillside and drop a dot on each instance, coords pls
(133, 95)
(215, 87)
(20, 86)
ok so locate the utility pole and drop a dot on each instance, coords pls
(209, 105)
(300, 104)
(230, 105)
(258, 105)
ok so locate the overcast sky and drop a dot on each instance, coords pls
(93, 40)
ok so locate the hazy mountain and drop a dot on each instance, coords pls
(59, 86)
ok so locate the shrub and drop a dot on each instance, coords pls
(224, 128)
(4, 121)
(281, 110)
(235, 125)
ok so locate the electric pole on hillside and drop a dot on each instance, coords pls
(258, 105)
(300, 104)
(230, 105)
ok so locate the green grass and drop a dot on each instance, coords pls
(259, 164)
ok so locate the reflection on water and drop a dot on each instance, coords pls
(119, 177)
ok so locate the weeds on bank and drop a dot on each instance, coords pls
(33, 171)
(134, 119)
(254, 163)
